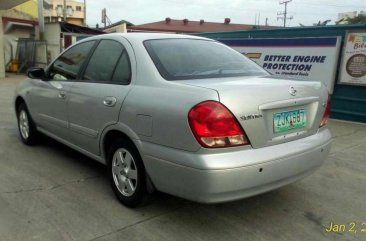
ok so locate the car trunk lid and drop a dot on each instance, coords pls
(271, 111)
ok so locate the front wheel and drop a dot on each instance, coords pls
(126, 173)
(27, 129)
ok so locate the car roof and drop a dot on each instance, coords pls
(140, 37)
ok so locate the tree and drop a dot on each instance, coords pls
(361, 18)
(358, 19)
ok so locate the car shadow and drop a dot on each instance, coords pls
(71, 154)
(162, 201)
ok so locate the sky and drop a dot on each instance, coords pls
(304, 12)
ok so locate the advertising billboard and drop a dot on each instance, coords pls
(313, 59)
(353, 68)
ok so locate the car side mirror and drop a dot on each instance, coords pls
(36, 73)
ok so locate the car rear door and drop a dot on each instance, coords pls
(96, 100)
(49, 97)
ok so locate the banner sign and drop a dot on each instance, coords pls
(353, 70)
(313, 59)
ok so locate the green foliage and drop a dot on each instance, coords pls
(358, 19)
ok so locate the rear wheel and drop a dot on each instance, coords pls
(27, 129)
(126, 173)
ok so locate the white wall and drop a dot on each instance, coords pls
(122, 28)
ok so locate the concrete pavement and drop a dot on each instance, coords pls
(50, 192)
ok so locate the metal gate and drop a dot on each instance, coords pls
(31, 53)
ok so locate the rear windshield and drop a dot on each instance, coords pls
(183, 59)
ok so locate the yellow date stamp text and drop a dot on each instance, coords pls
(350, 227)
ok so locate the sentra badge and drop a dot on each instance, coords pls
(251, 117)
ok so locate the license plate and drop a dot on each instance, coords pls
(289, 120)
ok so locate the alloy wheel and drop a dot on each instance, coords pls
(24, 124)
(124, 172)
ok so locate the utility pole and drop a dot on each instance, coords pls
(284, 14)
(257, 19)
(104, 16)
(105, 19)
(41, 20)
(65, 11)
(84, 12)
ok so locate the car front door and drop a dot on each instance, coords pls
(96, 100)
(49, 97)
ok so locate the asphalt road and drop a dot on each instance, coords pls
(50, 192)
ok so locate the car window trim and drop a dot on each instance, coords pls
(87, 60)
(129, 67)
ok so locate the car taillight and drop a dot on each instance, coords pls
(214, 125)
(326, 113)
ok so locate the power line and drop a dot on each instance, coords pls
(284, 13)
(332, 5)
(324, 4)
(250, 9)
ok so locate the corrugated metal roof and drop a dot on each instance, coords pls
(71, 28)
(181, 26)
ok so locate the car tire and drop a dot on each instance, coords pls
(27, 129)
(126, 172)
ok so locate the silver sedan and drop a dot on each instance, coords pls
(179, 114)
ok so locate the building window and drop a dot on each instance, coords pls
(50, 6)
(78, 8)
(69, 11)
(59, 10)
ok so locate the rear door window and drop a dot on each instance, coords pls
(103, 61)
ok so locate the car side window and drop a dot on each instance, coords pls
(68, 65)
(103, 61)
(122, 73)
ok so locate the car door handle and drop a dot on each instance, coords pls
(110, 101)
(62, 94)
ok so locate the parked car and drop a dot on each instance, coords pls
(179, 114)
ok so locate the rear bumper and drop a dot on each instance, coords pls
(277, 166)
